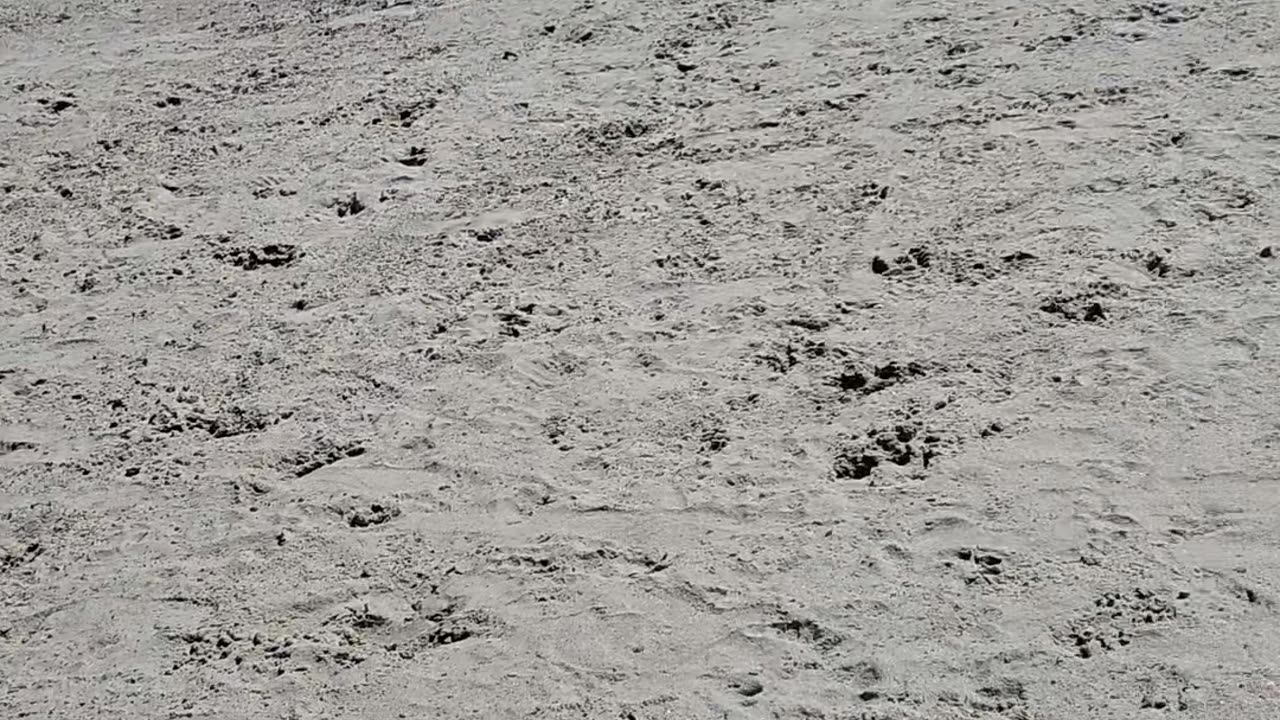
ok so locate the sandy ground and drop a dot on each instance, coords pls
(863, 360)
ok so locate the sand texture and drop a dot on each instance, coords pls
(837, 360)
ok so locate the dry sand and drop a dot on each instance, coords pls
(676, 359)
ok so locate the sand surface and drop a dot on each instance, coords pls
(855, 359)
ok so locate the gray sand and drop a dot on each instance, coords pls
(858, 359)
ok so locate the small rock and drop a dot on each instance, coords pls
(746, 685)
(350, 206)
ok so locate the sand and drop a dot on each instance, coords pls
(892, 360)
